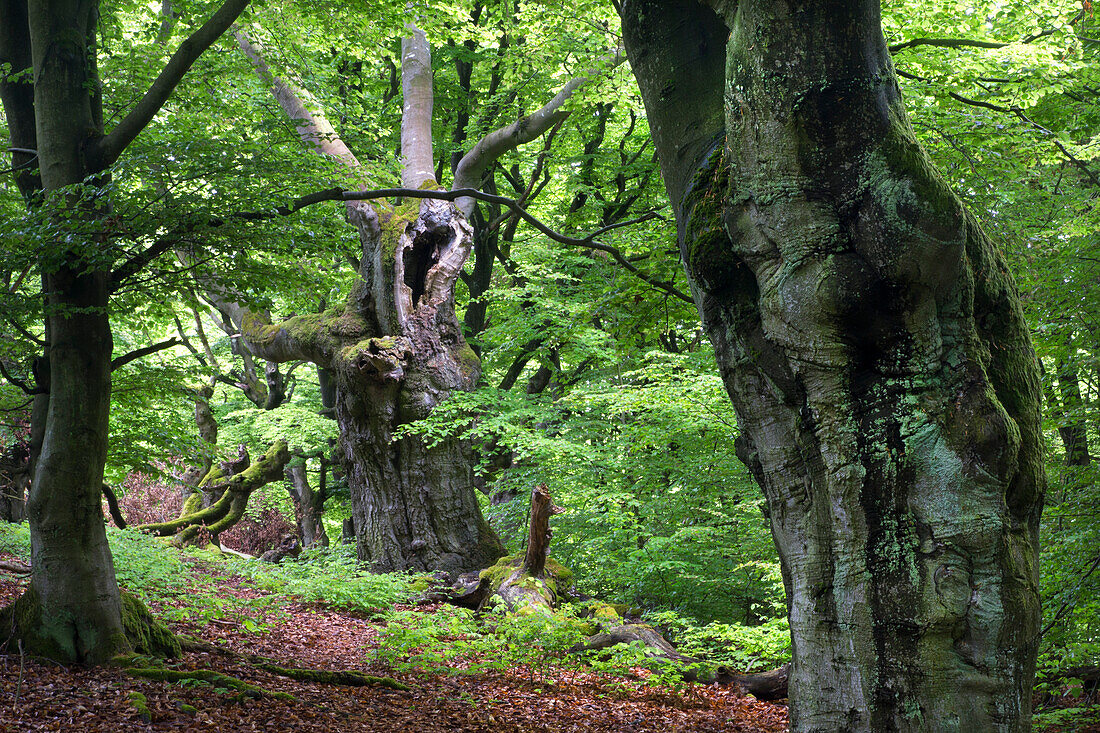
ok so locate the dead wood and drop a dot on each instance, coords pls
(771, 685)
(539, 532)
(18, 568)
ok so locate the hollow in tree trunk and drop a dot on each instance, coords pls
(395, 349)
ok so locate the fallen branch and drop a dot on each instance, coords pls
(15, 567)
(771, 685)
(350, 678)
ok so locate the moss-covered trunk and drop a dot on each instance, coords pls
(395, 350)
(414, 506)
(873, 344)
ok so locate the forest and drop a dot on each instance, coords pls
(501, 365)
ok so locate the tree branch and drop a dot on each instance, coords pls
(106, 150)
(135, 264)
(945, 43)
(337, 194)
(27, 389)
(416, 116)
(313, 127)
(138, 353)
(1017, 112)
(470, 170)
(968, 43)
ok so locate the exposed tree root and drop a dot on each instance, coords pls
(349, 678)
(15, 567)
(207, 675)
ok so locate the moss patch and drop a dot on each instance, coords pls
(141, 706)
(499, 572)
(145, 633)
(217, 679)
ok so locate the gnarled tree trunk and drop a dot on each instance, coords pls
(873, 344)
(395, 349)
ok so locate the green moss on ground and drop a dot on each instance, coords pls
(141, 706)
(217, 679)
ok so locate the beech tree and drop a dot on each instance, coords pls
(873, 344)
(395, 348)
(52, 100)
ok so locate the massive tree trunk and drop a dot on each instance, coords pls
(872, 342)
(72, 610)
(394, 351)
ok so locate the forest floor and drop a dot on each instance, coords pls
(40, 696)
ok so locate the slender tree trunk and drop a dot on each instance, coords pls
(310, 506)
(73, 598)
(873, 345)
(1074, 430)
(72, 611)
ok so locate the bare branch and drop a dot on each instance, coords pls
(472, 167)
(416, 117)
(145, 351)
(313, 127)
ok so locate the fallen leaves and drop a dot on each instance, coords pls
(56, 698)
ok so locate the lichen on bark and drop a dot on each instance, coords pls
(872, 342)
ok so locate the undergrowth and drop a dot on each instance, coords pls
(330, 577)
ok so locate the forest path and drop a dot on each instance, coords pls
(55, 698)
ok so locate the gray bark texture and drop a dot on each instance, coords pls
(873, 344)
(309, 505)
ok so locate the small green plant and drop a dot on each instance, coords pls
(16, 540)
(744, 648)
(331, 577)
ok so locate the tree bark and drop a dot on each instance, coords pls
(310, 506)
(873, 344)
(72, 611)
(538, 530)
